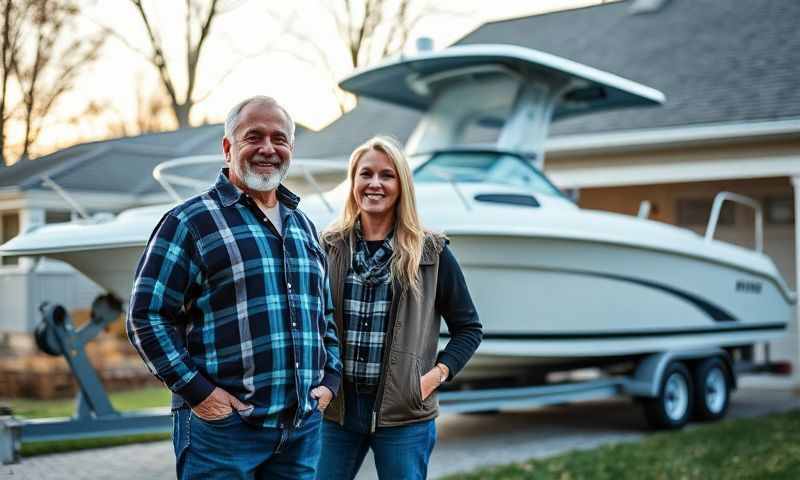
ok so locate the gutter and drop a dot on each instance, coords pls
(653, 137)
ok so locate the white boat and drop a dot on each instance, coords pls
(555, 285)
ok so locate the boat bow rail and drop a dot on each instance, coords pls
(300, 168)
(716, 208)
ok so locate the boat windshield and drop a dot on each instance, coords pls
(484, 167)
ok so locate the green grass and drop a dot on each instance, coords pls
(150, 397)
(766, 447)
(61, 446)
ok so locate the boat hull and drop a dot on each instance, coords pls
(548, 303)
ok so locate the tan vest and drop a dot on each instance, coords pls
(412, 339)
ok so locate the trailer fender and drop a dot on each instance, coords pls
(647, 379)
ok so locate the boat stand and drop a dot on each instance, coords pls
(94, 415)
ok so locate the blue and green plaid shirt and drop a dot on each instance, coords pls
(221, 300)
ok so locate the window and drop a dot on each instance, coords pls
(697, 211)
(9, 230)
(779, 210)
(54, 216)
(484, 167)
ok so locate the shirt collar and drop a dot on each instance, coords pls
(230, 194)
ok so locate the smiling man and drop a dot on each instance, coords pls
(231, 309)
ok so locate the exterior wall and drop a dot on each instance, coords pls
(21, 293)
(13, 302)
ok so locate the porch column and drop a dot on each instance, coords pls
(796, 362)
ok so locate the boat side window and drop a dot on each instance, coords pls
(56, 216)
(484, 167)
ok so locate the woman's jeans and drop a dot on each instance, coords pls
(229, 448)
(401, 453)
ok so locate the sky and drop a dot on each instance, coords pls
(248, 54)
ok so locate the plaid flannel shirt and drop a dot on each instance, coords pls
(220, 299)
(367, 301)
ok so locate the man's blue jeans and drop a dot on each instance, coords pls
(401, 453)
(232, 449)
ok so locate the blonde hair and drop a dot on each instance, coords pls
(409, 234)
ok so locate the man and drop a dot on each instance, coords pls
(231, 309)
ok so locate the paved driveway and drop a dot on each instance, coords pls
(465, 441)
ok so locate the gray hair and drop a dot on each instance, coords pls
(232, 120)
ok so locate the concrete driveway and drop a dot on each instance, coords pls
(465, 442)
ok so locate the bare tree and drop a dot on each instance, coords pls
(152, 111)
(14, 12)
(48, 65)
(199, 16)
(367, 30)
(153, 114)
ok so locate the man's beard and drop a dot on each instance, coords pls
(259, 182)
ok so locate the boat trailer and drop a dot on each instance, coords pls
(94, 415)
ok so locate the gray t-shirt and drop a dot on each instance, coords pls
(274, 215)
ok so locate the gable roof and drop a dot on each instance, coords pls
(121, 165)
(717, 61)
(371, 117)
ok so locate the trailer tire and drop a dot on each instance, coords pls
(670, 410)
(712, 389)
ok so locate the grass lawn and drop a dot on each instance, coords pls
(150, 397)
(766, 447)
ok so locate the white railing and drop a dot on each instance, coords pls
(644, 209)
(299, 167)
(716, 208)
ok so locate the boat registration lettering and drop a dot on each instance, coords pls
(748, 286)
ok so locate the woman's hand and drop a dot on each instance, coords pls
(431, 380)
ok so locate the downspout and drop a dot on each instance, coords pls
(796, 362)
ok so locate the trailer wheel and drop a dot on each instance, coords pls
(712, 389)
(673, 405)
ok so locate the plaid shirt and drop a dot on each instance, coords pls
(220, 299)
(366, 305)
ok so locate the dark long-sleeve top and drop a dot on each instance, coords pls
(454, 304)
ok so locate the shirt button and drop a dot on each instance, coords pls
(265, 219)
(366, 324)
(297, 365)
(289, 285)
(294, 324)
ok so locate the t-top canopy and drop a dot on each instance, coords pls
(407, 81)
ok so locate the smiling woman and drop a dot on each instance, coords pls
(392, 281)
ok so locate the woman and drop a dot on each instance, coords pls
(391, 281)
